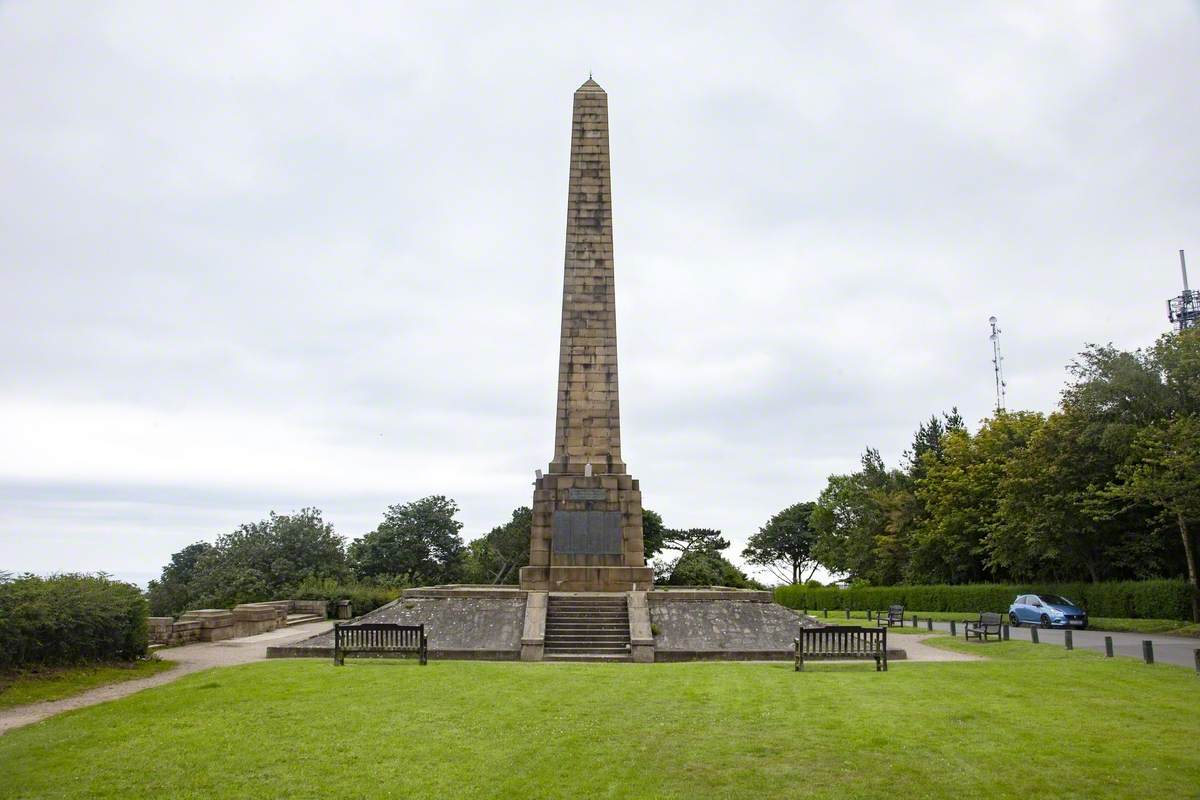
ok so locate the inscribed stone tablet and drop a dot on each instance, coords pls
(586, 532)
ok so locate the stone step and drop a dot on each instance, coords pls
(564, 628)
(588, 636)
(587, 649)
(580, 657)
(573, 610)
(556, 614)
(300, 619)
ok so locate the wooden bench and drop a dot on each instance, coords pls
(895, 616)
(837, 642)
(987, 625)
(378, 639)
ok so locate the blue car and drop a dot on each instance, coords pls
(1046, 610)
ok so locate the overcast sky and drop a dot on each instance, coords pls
(262, 257)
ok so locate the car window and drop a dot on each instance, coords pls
(1023, 600)
(1033, 601)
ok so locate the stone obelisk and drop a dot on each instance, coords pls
(587, 510)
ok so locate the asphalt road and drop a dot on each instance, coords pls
(1167, 649)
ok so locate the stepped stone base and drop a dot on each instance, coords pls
(507, 623)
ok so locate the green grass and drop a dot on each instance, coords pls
(55, 683)
(1171, 627)
(307, 729)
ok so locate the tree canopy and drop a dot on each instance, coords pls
(419, 540)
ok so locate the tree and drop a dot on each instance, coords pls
(854, 522)
(653, 533)
(174, 590)
(419, 539)
(259, 561)
(707, 568)
(498, 556)
(960, 493)
(784, 545)
(1166, 474)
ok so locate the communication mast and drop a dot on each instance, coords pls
(998, 367)
(1184, 310)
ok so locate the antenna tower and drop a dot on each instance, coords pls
(1184, 310)
(998, 367)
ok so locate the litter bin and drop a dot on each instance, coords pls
(343, 609)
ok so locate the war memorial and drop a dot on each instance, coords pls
(587, 593)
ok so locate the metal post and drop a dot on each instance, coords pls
(953, 628)
(826, 612)
(1148, 651)
(929, 623)
(1033, 635)
(1068, 639)
(1004, 631)
(847, 613)
(1196, 653)
(1108, 647)
(914, 620)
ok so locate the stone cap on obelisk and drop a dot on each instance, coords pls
(588, 426)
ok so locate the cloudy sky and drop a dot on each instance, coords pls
(259, 257)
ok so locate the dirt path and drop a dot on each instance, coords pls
(189, 658)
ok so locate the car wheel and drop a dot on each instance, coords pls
(1045, 621)
(1014, 620)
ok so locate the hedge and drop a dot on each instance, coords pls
(70, 619)
(1156, 599)
(363, 597)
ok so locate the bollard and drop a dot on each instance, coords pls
(1196, 653)
(1108, 647)
(1068, 640)
(1033, 635)
(826, 612)
(869, 613)
(929, 623)
(1004, 632)
(953, 628)
(847, 613)
(1148, 651)
(914, 620)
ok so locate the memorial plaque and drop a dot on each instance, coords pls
(592, 533)
(586, 494)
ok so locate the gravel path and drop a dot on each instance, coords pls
(189, 658)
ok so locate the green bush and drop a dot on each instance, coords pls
(70, 619)
(1156, 599)
(364, 596)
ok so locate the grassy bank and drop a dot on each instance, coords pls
(55, 683)
(1169, 627)
(476, 729)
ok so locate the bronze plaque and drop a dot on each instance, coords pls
(586, 494)
(592, 533)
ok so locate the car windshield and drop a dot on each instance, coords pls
(1055, 600)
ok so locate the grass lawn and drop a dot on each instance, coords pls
(478, 729)
(55, 683)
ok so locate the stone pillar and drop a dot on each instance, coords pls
(587, 511)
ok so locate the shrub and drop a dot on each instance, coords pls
(364, 596)
(1155, 599)
(70, 619)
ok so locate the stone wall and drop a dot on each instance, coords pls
(218, 624)
(461, 622)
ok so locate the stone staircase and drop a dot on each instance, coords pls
(301, 618)
(582, 627)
